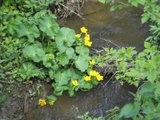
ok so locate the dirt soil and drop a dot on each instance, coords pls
(19, 97)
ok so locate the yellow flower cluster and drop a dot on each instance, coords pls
(42, 102)
(87, 41)
(75, 83)
(93, 73)
(87, 78)
(99, 77)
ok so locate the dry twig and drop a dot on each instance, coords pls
(71, 11)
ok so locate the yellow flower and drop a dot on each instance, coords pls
(75, 83)
(99, 77)
(83, 30)
(51, 102)
(78, 36)
(87, 43)
(92, 62)
(87, 78)
(42, 102)
(87, 37)
(93, 73)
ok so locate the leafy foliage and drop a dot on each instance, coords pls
(132, 67)
(142, 70)
(34, 46)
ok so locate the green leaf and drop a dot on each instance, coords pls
(28, 30)
(71, 92)
(82, 50)
(34, 52)
(157, 91)
(142, 2)
(70, 53)
(48, 25)
(147, 45)
(151, 76)
(62, 58)
(133, 73)
(29, 70)
(76, 75)
(144, 18)
(51, 48)
(130, 110)
(122, 66)
(102, 1)
(85, 85)
(58, 90)
(65, 38)
(126, 111)
(61, 46)
(63, 77)
(134, 2)
(16, 27)
(13, 25)
(130, 52)
(146, 89)
(51, 97)
(52, 71)
(48, 60)
(116, 7)
(82, 63)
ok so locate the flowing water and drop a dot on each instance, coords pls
(107, 29)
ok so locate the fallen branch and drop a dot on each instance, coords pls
(71, 11)
(95, 51)
(110, 79)
(109, 41)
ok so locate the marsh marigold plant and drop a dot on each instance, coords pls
(85, 36)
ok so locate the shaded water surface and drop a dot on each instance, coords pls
(107, 29)
(95, 101)
(120, 27)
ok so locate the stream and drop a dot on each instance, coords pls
(108, 29)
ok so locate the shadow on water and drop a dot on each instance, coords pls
(121, 28)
